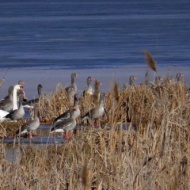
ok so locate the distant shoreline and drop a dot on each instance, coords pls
(49, 78)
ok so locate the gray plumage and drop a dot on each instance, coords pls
(66, 114)
(132, 80)
(10, 92)
(73, 86)
(7, 103)
(179, 77)
(31, 125)
(96, 112)
(66, 125)
(31, 103)
(89, 90)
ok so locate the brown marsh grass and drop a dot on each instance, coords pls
(155, 156)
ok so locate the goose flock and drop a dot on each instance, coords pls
(12, 106)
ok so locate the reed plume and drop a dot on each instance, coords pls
(150, 61)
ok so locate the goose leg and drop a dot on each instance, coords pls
(92, 122)
(68, 136)
(97, 123)
(30, 135)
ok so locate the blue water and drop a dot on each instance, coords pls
(93, 34)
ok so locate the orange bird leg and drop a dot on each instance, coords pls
(92, 122)
(97, 123)
(30, 135)
(68, 136)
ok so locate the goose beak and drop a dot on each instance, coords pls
(22, 88)
(74, 108)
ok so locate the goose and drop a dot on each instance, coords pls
(4, 113)
(2, 81)
(147, 81)
(73, 85)
(89, 90)
(21, 92)
(17, 114)
(6, 104)
(31, 125)
(31, 103)
(179, 77)
(97, 112)
(158, 80)
(10, 93)
(66, 114)
(70, 95)
(66, 125)
(132, 79)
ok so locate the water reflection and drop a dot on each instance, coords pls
(42, 136)
(42, 139)
(12, 153)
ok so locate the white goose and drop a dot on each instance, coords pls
(17, 114)
(15, 106)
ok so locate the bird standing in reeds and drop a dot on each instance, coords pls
(31, 103)
(132, 80)
(73, 83)
(66, 114)
(147, 81)
(72, 89)
(66, 125)
(31, 125)
(6, 103)
(95, 113)
(179, 77)
(89, 90)
(158, 80)
(17, 113)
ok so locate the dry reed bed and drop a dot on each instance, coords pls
(156, 156)
(103, 160)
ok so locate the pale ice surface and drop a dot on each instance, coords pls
(50, 78)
